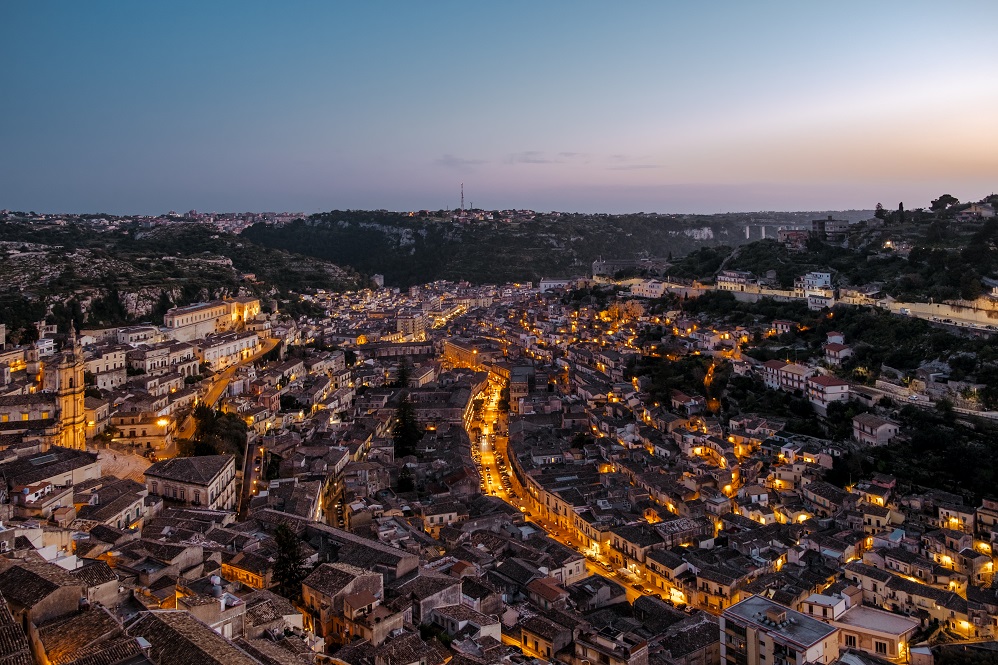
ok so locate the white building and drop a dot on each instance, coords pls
(648, 288)
(547, 284)
(823, 390)
(220, 351)
(734, 280)
(196, 321)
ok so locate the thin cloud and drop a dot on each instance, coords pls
(633, 167)
(531, 157)
(458, 163)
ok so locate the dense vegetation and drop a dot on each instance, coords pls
(81, 275)
(414, 250)
(919, 256)
(878, 338)
(937, 450)
(215, 433)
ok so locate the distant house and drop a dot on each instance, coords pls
(781, 326)
(823, 390)
(734, 280)
(835, 353)
(873, 430)
(976, 211)
(794, 239)
(771, 373)
(686, 404)
(794, 377)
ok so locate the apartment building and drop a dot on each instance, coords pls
(758, 631)
(221, 351)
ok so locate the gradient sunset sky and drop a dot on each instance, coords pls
(143, 107)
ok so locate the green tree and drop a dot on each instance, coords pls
(215, 433)
(943, 202)
(504, 400)
(404, 373)
(290, 568)
(406, 432)
(406, 482)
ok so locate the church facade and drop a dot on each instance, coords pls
(55, 413)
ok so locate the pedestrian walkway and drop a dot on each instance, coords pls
(123, 465)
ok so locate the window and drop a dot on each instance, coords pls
(880, 647)
(45, 415)
(181, 493)
(851, 641)
(153, 486)
(24, 416)
(4, 418)
(197, 496)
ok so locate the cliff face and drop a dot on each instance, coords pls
(128, 273)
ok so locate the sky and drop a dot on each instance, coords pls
(704, 107)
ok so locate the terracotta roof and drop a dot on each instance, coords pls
(542, 627)
(196, 470)
(547, 588)
(871, 420)
(178, 637)
(269, 653)
(94, 573)
(110, 652)
(28, 581)
(827, 381)
(64, 638)
(33, 398)
(55, 461)
(331, 578)
(14, 648)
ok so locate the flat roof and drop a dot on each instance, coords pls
(798, 628)
(868, 618)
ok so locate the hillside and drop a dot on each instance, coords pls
(510, 247)
(99, 276)
(921, 257)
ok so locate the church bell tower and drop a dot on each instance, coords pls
(70, 389)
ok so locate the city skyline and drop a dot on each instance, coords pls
(656, 108)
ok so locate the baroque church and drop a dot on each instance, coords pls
(53, 413)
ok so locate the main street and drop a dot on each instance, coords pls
(490, 451)
(219, 383)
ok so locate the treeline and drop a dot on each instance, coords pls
(408, 250)
(176, 260)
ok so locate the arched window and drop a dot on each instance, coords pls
(71, 382)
